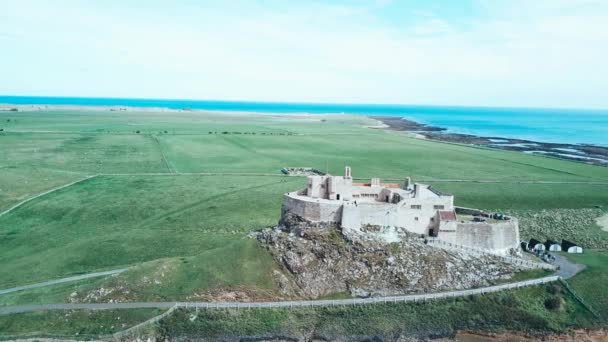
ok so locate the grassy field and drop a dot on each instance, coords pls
(109, 222)
(59, 145)
(185, 236)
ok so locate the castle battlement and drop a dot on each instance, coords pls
(386, 211)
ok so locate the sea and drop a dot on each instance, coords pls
(568, 126)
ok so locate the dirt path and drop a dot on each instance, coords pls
(44, 193)
(162, 154)
(62, 280)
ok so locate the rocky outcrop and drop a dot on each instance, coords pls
(322, 261)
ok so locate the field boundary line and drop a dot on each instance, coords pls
(439, 180)
(45, 193)
(162, 154)
(280, 304)
(62, 280)
(497, 181)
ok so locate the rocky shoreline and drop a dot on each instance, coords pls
(584, 153)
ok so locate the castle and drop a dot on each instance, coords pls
(388, 211)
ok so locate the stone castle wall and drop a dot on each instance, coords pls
(354, 217)
(314, 210)
(500, 237)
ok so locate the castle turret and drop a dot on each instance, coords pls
(347, 174)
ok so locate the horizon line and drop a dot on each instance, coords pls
(304, 103)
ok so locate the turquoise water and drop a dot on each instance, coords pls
(547, 125)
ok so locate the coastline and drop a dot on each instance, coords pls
(583, 153)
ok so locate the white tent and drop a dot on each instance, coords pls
(575, 250)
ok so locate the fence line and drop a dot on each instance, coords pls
(280, 304)
(579, 299)
(482, 251)
(372, 300)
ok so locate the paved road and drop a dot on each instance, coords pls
(62, 280)
(567, 269)
(281, 304)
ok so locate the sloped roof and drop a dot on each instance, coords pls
(567, 244)
(447, 215)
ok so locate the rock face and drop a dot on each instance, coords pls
(322, 261)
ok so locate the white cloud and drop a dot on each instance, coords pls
(516, 53)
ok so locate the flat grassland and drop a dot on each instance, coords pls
(177, 193)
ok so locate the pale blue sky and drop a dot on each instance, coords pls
(549, 53)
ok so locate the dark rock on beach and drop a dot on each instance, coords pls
(589, 154)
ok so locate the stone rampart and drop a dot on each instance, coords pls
(501, 237)
(311, 209)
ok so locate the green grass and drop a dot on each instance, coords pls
(521, 310)
(54, 144)
(591, 283)
(373, 154)
(526, 196)
(110, 222)
(193, 229)
(74, 323)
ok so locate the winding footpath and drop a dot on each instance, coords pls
(44, 193)
(62, 280)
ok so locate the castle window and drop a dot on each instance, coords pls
(415, 206)
(415, 218)
(438, 207)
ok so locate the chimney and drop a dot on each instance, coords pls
(407, 183)
(347, 173)
(375, 181)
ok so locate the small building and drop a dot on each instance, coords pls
(571, 247)
(553, 246)
(535, 245)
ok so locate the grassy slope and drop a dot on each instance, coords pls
(109, 222)
(591, 283)
(80, 324)
(522, 310)
(197, 225)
